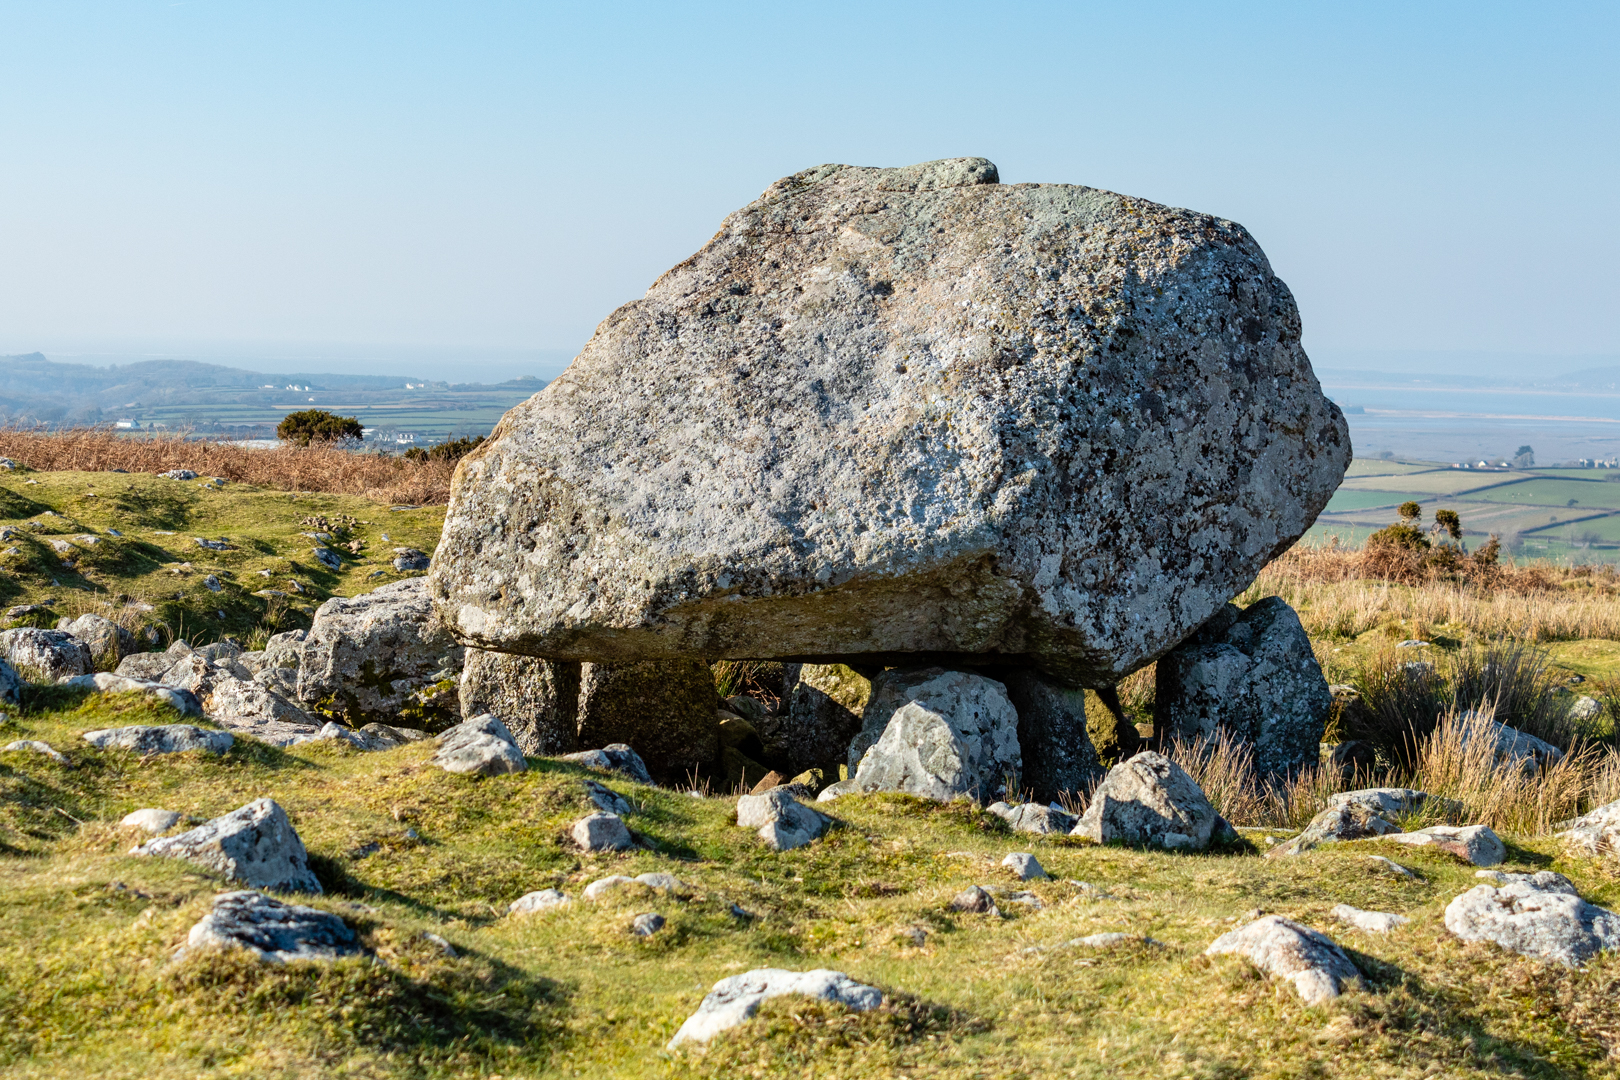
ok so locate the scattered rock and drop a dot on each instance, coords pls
(482, 746)
(409, 560)
(1251, 673)
(647, 924)
(35, 746)
(1540, 916)
(537, 699)
(782, 821)
(1025, 866)
(250, 708)
(606, 799)
(22, 611)
(1585, 709)
(602, 886)
(214, 545)
(1149, 800)
(108, 642)
(1038, 819)
(1390, 866)
(151, 665)
(152, 820)
(1284, 949)
(1476, 844)
(1106, 940)
(1053, 737)
(255, 845)
(178, 474)
(1373, 922)
(11, 683)
(1511, 746)
(974, 900)
(165, 739)
(45, 656)
(614, 757)
(937, 734)
(1355, 815)
(182, 701)
(665, 709)
(327, 557)
(736, 999)
(544, 900)
(601, 832)
(1595, 833)
(272, 930)
(661, 882)
(772, 779)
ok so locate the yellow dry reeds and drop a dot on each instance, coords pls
(318, 467)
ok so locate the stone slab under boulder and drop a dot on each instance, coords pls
(1251, 673)
(255, 845)
(538, 700)
(45, 656)
(1057, 754)
(735, 1000)
(1284, 949)
(161, 739)
(1541, 916)
(665, 709)
(1149, 800)
(782, 821)
(906, 412)
(271, 930)
(823, 712)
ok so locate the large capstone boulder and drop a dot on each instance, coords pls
(1149, 800)
(381, 655)
(665, 709)
(108, 642)
(538, 700)
(939, 734)
(1057, 752)
(1252, 674)
(255, 845)
(892, 412)
(45, 656)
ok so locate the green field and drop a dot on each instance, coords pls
(1344, 501)
(1555, 493)
(1447, 482)
(1376, 467)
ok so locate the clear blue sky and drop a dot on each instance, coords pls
(415, 185)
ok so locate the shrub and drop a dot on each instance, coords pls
(451, 452)
(1410, 511)
(1402, 535)
(318, 425)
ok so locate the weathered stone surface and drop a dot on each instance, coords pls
(781, 820)
(1513, 748)
(252, 709)
(1025, 866)
(877, 414)
(614, 757)
(182, 701)
(975, 900)
(601, 832)
(1149, 800)
(272, 930)
(1542, 916)
(665, 709)
(606, 799)
(937, 734)
(151, 665)
(285, 650)
(544, 900)
(1373, 922)
(35, 746)
(164, 739)
(1284, 949)
(1596, 833)
(646, 924)
(602, 886)
(736, 999)
(1355, 815)
(370, 657)
(45, 656)
(538, 700)
(255, 845)
(1477, 844)
(1251, 673)
(152, 820)
(1057, 753)
(482, 746)
(108, 642)
(824, 707)
(11, 683)
(1035, 818)
(195, 674)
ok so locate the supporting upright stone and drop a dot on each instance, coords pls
(664, 709)
(538, 700)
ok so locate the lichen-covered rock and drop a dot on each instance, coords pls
(1373, 922)
(370, 657)
(1512, 748)
(153, 820)
(481, 746)
(1542, 917)
(538, 700)
(1354, 815)
(1596, 833)
(615, 758)
(781, 820)
(601, 832)
(35, 746)
(254, 844)
(823, 713)
(162, 739)
(907, 411)
(736, 999)
(1251, 673)
(152, 665)
(543, 900)
(1038, 819)
(1025, 867)
(1284, 949)
(1052, 737)
(1149, 800)
(951, 734)
(11, 683)
(45, 656)
(251, 709)
(108, 642)
(271, 930)
(665, 709)
(1476, 844)
(182, 701)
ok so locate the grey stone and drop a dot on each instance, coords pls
(614, 757)
(537, 699)
(164, 739)
(1284, 949)
(602, 886)
(45, 656)
(11, 683)
(1477, 844)
(647, 924)
(665, 709)
(1149, 800)
(182, 701)
(939, 734)
(35, 746)
(482, 746)
(251, 709)
(601, 832)
(1040, 424)
(327, 557)
(1390, 866)
(371, 656)
(975, 900)
(1596, 833)
(1038, 819)
(193, 672)
(1056, 750)
(735, 1000)
(410, 560)
(283, 682)
(1584, 709)
(108, 642)
(254, 844)
(1251, 673)
(271, 930)
(606, 799)
(1373, 922)
(151, 820)
(661, 882)
(1026, 866)
(285, 650)
(146, 665)
(544, 900)
(1512, 747)
(1542, 917)
(386, 736)
(781, 820)
(178, 474)
(1354, 815)
(823, 713)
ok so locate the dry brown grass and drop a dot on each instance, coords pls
(286, 468)
(1224, 768)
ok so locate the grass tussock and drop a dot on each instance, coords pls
(322, 467)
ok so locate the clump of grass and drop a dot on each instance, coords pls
(1224, 768)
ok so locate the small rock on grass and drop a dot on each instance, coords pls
(180, 700)
(1537, 915)
(1593, 833)
(606, 799)
(1025, 866)
(34, 746)
(543, 900)
(1284, 949)
(271, 930)
(782, 821)
(1476, 844)
(735, 1000)
(974, 900)
(646, 925)
(601, 832)
(1390, 866)
(1373, 922)
(656, 881)
(614, 757)
(166, 739)
(482, 746)
(152, 820)
(254, 844)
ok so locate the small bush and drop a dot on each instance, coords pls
(318, 425)
(449, 452)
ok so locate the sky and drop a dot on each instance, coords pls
(465, 190)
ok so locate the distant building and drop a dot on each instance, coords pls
(405, 437)
(127, 425)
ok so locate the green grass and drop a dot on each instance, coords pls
(87, 932)
(1555, 493)
(157, 560)
(1439, 482)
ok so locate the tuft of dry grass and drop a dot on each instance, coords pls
(1224, 768)
(318, 467)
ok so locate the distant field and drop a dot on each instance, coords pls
(1385, 468)
(1343, 500)
(1445, 482)
(1555, 493)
